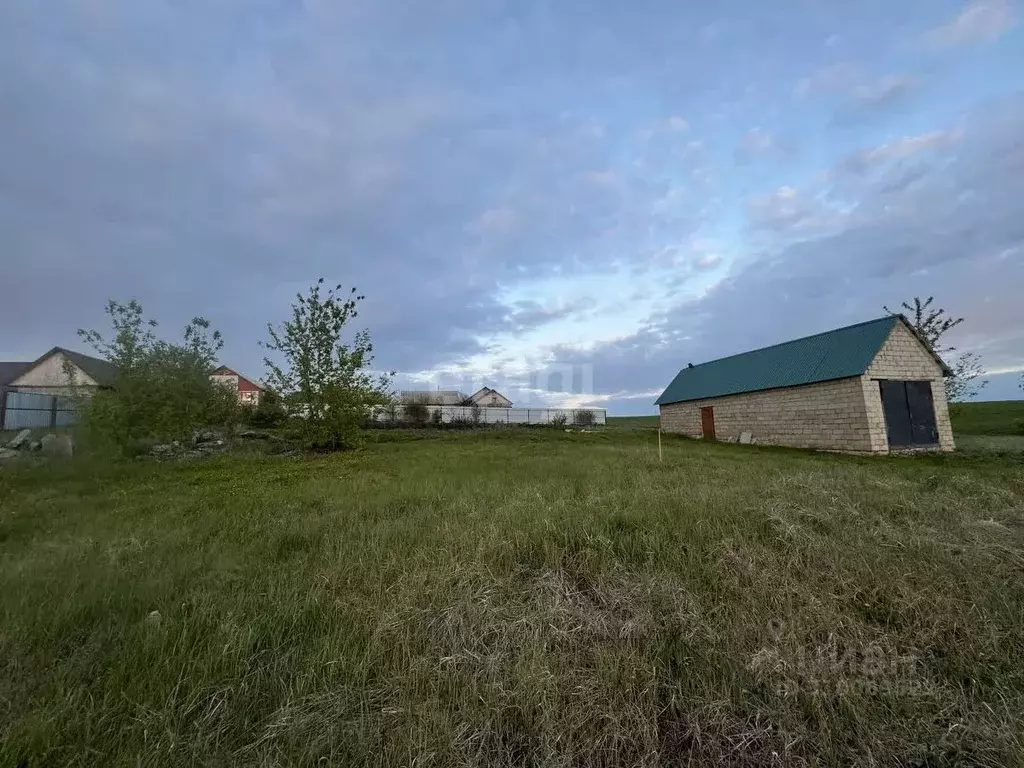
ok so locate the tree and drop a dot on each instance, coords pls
(323, 379)
(161, 390)
(931, 325)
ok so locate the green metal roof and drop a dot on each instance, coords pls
(836, 354)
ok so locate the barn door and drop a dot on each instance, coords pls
(922, 413)
(909, 413)
(707, 422)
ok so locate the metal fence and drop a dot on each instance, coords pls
(30, 410)
(462, 413)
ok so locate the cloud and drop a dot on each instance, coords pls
(899, 149)
(709, 261)
(956, 234)
(884, 91)
(446, 157)
(677, 123)
(836, 77)
(787, 210)
(754, 143)
(981, 21)
(528, 315)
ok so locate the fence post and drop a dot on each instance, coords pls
(53, 411)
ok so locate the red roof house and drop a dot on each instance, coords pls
(248, 391)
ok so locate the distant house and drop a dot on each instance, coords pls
(249, 392)
(484, 398)
(868, 388)
(431, 397)
(489, 398)
(59, 372)
(9, 370)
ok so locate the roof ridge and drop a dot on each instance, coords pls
(794, 341)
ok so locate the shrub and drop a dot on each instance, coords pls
(269, 412)
(436, 417)
(583, 418)
(559, 420)
(416, 412)
(161, 390)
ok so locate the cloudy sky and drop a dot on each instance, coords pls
(566, 199)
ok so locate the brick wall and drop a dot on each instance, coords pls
(844, 415)
(903, 357)
(830, 415)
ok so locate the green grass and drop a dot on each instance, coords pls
(1002, 417)
(515, 597)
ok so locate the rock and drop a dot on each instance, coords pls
(745, 438)
(210, 446)
(34, 446)
(568, 430)
(7, 454)
(162, 450)
(46, 443)
(254, 434)
(19, 438)
(204, 436)
(154, 619)
(64, 446)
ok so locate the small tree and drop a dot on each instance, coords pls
(583, 418)
(416, 411)
(161, 390)
(931, 325)
(269, 411)
(325, 380)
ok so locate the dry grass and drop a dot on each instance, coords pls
(515, 598)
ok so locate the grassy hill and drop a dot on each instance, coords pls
(515, 597)
(1002, 417)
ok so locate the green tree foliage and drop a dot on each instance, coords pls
(416, 411)
(324, 380)
(931, 325)
(162, 390)
(269, 412)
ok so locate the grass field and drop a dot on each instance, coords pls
(515, 597)
(1001, 417)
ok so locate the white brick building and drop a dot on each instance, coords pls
(866, 388)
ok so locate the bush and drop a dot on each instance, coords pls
(436, 417)
(583, 418)
(269, 413)
(560, 420)
(161, 390)
(416, 412)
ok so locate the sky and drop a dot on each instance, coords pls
(567, 200)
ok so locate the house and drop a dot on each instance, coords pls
(484, 398)
(431, 397)
(60, 372)
(489, 398)
(249, 392)
(9, 370)
(869, 388)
